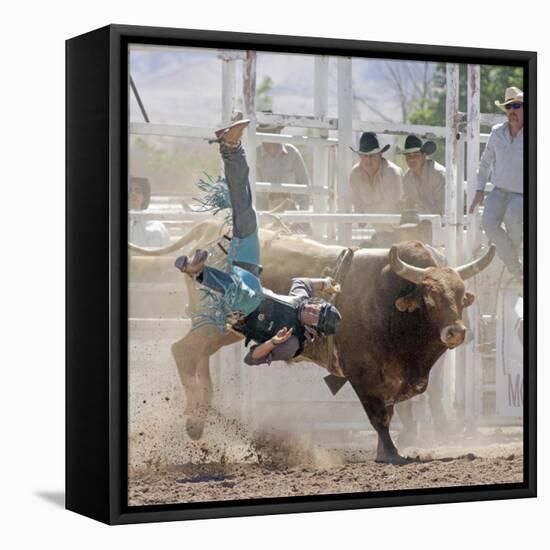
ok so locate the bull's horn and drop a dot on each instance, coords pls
(469, 270)
(409, 272)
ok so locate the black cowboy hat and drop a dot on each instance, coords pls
(369, 145)
(413, 144)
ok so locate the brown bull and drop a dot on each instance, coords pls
(401, 311)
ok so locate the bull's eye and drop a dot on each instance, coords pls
(429, 301)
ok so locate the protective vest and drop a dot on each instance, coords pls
(273, 313)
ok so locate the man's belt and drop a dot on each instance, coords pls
(504, 190)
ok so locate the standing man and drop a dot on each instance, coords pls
(503, 158)
(375, 182)
(424, 181)
(280, 163)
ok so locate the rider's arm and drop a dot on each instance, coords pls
(304, 286)
(261, 350)
(272, 352)
(321, 284)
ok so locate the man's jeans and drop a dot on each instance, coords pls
(241, 286)
(502, 206)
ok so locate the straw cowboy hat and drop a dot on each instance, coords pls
(511, 95)
(263, 128)
(413, 144)
(269, 128)
(369, 145)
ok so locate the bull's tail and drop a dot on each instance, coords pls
(198, 232)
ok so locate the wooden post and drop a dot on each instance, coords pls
(248, 401)
(472, 380)
(226, 376)
(249, 101)
(473, 131)
(320, 152)
(345, 110)
(229, 86)
(451, 162)
(460, 188)
(460, 353)
(451, 203)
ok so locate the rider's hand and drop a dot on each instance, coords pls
(331, 287)
(282, 336)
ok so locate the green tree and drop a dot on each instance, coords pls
(494, 80)
(264, 102)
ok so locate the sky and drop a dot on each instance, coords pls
(183, 86)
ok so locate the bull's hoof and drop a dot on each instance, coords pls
(194, 427)
(392, 459)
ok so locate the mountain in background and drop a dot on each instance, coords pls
(183, 86)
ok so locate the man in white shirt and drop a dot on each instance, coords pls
(503, 159)
(280, 163)
(147, 233)
(375, 182)
(424, 181)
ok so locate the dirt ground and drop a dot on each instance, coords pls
(234, 461)
(275, 464)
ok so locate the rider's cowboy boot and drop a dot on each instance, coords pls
(231, 135)
(192, 266)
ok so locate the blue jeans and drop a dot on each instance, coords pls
(240, 287)
(505, 207)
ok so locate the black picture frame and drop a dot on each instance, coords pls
(97, 272)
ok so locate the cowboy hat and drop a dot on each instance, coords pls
(269, 128)
(369, 145)
(511, 95)
(413, 144)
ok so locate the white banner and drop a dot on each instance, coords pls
(509, 367)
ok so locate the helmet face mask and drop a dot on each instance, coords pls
(322, 316)
(329, 320)
(311, 313)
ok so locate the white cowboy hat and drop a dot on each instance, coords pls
(511, 95)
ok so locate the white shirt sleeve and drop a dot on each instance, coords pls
(486, 162)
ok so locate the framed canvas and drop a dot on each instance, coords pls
(301, 274)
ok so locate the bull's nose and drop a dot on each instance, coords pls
(453, 335)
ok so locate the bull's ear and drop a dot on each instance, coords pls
(407, 303)
(468, 299)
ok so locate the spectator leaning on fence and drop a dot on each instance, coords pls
(280, 163)
(503, 158)
(424, 181)
(375, 182)
(147, 233)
